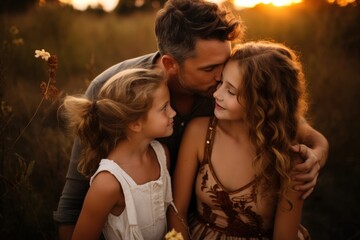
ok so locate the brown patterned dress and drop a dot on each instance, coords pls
(223, 214)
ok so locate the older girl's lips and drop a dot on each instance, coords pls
(218, 106)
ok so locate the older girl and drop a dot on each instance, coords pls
(241, 159)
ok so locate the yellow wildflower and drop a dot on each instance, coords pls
(42, 53)
(173, 235)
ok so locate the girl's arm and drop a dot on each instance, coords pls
(184, 176)
(104, 194)
(287, 221)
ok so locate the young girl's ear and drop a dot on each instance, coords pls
(135, 126)
(170, 64)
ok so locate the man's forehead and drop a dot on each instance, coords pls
(210, 52)
(209, 44)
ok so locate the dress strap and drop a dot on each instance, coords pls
(209, 139)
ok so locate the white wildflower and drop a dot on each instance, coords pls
(42, 53)
(174, 235)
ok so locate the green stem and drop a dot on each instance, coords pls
(33, 116)
(28, 124)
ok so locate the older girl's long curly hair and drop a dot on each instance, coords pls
(101, 123)
(274, 91)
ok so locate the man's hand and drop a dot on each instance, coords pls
(307, 171)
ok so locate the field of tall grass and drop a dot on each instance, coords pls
(35, 149)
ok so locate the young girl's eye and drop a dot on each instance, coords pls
(164, 107)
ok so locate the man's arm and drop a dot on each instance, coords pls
(72, 197)
(315, 141)
(313, 148)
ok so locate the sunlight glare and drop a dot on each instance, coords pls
(109, 5)
(253, 3)
(82, 5)
(342, 3)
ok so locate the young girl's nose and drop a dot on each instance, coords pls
(172, 112)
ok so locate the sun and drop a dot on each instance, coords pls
(277, 3)
(82, 5)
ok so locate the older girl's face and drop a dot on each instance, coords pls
(227, 106)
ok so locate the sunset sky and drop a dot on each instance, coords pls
(109, 5)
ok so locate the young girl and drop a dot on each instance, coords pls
(130, 187)
(241, 160)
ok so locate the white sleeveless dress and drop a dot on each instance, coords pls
(144, 216)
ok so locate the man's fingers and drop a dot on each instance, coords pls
(306, 172)
(307, 193)
(309, 176)
(308, 156)
(302, 150)
(306, 185)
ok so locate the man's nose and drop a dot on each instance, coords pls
(218, 74)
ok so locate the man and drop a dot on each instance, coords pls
(194, 41)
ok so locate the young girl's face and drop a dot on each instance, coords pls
(227, 106)
(159, 119)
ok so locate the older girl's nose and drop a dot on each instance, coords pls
(216, 94)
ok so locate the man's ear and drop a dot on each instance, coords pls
(135, 126)
(170, 64)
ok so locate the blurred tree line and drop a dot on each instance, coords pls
(32, 172)
(129, 6)
(123, 7)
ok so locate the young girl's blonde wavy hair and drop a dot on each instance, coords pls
(101, 123)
